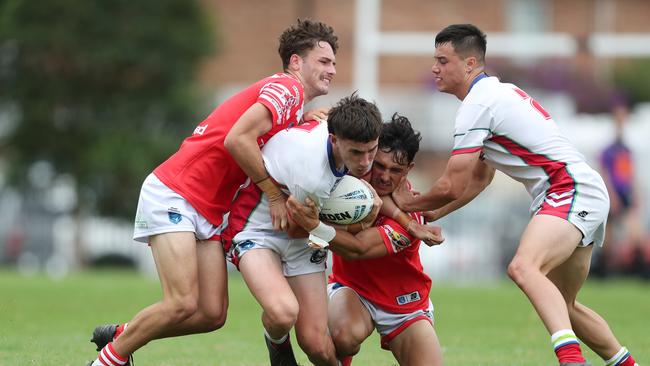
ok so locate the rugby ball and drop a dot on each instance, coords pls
(350, 201)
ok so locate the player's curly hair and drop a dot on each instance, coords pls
(398, 136)
(356, 119)
(467, 40)
(304, 36)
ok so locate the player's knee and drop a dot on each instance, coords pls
(518, 270)
(215, 319)
(346, 343)
(182, 308)
(282, 315)
(315, 345)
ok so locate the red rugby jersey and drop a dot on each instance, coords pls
(202, 171)
(396, 282)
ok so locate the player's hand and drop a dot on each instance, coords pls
(319, 114)
(430, 235)
(430, 216)
(402, 194)
(277, 205)
(376, 206)
(305, 215)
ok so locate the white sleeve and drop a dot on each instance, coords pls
(473, 127)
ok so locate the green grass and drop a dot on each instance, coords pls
(47, 322)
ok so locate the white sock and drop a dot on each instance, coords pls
(563, 337)
(618, 357)
(276, 341)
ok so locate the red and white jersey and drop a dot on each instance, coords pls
(518, 137)
(395, 282)
(202, 171)
(300, 160)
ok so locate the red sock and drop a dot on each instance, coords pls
(109, 357)
(346, 361)
(569, 353)
(629, 361)
(120, 328)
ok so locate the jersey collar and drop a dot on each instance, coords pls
(479, 77)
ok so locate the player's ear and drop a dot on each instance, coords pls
(295, 62)
(411, 165)
(470, 64)
(333, 139)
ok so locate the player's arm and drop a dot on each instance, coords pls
(449, 187)
(241, 143)
(367, 243)
(482, 176)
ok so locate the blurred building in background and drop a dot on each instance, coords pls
(578, 58)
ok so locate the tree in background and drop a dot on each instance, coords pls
(102, 90)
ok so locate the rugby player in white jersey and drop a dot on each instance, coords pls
(285, 275)
(499, 126)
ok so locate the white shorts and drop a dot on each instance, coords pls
(296, 255)
(161, 210)
(586, 206)
(388, 325)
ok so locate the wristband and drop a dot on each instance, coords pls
(322, 234)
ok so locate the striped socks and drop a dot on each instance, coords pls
(621, 358)
(566, 346)
(108, 357)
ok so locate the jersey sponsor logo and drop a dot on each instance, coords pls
(398, 240)
(200, 130)
(408, 298)
(174, 215)
(560, 199)
(318, 256)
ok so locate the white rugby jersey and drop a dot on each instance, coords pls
(517, 136)
(300, 160)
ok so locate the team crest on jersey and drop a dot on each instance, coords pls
(398, 240)
(408, 298)
(318, 256)
(174, 215)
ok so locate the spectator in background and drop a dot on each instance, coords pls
(623, 237)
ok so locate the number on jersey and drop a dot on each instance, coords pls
(535, 104)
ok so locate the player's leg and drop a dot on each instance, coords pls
(417, 345)
(176, 263)
(311, 327)
(349, 321)
(590, 327)
(262, 272)
(213, 292)
(261, 269)
(547, 242)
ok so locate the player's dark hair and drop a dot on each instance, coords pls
(398, 136)
(302, 37)
(356, 119)
(467, 40)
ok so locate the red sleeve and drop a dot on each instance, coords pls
(279, 97)
(395, 237)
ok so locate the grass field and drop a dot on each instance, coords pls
(46, 322)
